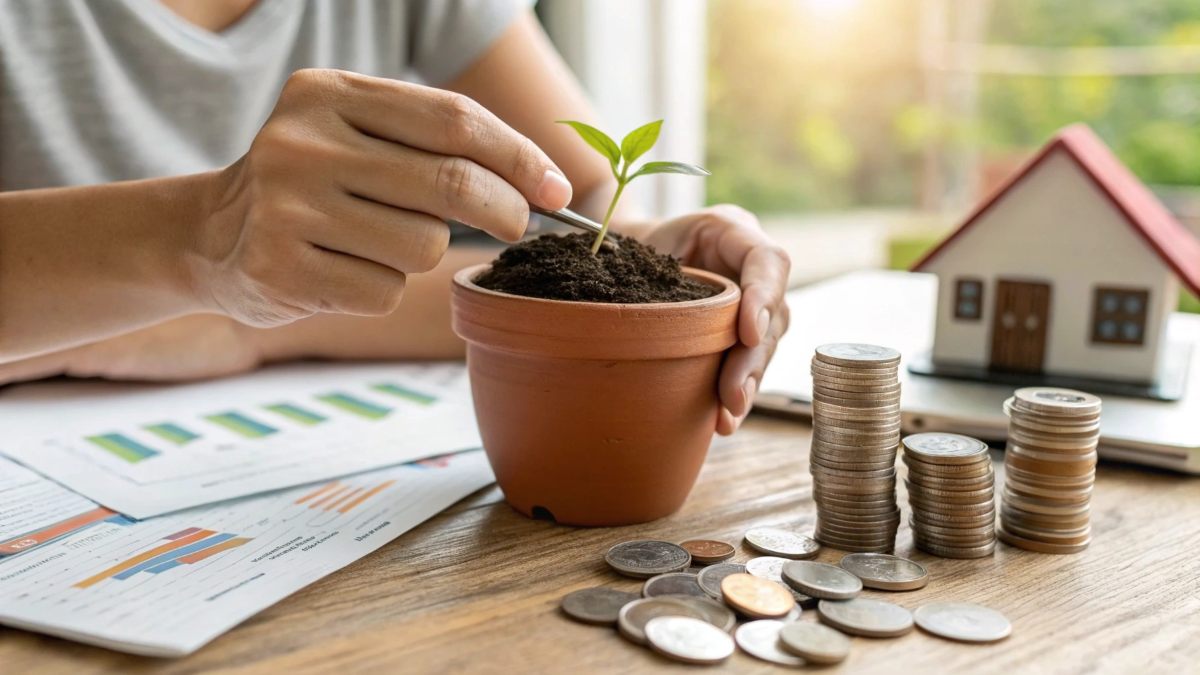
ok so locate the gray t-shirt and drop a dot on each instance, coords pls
(96, 91)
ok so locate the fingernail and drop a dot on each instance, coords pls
(763, 323)
(555, 191)
(749, 389)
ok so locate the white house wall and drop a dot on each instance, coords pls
(1056, 227)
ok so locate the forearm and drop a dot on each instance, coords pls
(82, 264)
(419, 329)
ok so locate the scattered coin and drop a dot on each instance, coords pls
(673, 583)
(866, 617)
(885, 572)
(597, 605)
(775, 541)
(814, 642)
(688, 640)
(645, 558)
(716, 613)
(951, 493)
(1050, 467)
(633, 617)
(755, 597)
(821, 580)
(963, 621)
(760, 639)
(710, 578)
(708, 551)
(767, 567)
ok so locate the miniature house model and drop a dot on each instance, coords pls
(1066, 275)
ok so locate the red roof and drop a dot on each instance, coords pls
(1177, 247)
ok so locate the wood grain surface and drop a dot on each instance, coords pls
(476, 589)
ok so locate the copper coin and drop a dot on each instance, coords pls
(708, 551)
(755, 597)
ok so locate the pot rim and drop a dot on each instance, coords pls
(465, 278)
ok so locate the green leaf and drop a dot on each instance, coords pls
(598, 140)
(670, 167)
(637, 142)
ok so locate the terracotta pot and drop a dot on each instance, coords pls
(595, 413)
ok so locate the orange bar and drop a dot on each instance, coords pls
(54, 531)
(323, 500)
(365, 496)
(333, 504)
(321, 490)
(143, 557)
(213, 550)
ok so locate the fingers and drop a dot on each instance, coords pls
(351, 285)
(451, 188)
(449, 124)
(406, 241)
(764, 282)
(743, 369)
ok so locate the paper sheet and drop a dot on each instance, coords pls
(148, 450)
(167, 586)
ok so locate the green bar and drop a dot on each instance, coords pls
(296, 414)
(356, 406)
(405, 393)
(171, 432)
(124, 447)
(241, 425)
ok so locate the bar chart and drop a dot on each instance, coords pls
(187, 546)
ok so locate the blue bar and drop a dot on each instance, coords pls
(172, 555)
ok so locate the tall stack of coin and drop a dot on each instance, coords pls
(950, 492)
(856, 429)
(1049, 469)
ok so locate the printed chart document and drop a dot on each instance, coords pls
(168, 585)
(147, 450)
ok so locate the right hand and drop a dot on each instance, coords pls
(345, 190)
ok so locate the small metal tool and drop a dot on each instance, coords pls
(573, 219)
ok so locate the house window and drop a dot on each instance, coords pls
(968, 299)
(1119, 316)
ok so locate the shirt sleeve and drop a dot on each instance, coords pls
(447, 36)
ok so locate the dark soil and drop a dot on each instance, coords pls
(563, 268)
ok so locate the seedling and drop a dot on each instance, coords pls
(635, 144)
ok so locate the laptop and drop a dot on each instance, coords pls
(896, 309)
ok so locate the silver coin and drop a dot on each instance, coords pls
(598, 605)
(942, 448)
(673, 583)
(866, 617)
(760, 639)
(710, 610)
(633, 617)
(775, 541)
(767, 567)
(963, 621)
(814, 642)
(885, 572)
(710, 577)
(852, 354)
(689, 640)
(821, 580)
(645, 558)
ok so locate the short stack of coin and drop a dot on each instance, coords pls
(856, 429)
(951, 493)
(1049, 469)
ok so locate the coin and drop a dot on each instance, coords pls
(710, 578)
(673, 583)
(866, 617)
(1039, 545)
(760, 639)
(711, 611)
(1054, 401)
(814, 642)
(942, 448)
(708, 551)
(885, 572)
(598, 605)
(632, 619)
(646, 558)
(688, 640)
(756, 597)
(767, 567)
(821, 580)
(962, 621)
(852, 354)
(775, 541)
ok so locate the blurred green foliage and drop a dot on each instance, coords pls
(815, 108)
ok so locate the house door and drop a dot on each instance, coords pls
(1019, 326)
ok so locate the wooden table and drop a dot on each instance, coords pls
(477, 588)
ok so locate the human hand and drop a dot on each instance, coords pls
(728, 240)
(345, 191)
(193, 347)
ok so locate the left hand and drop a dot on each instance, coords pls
(728, 240)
